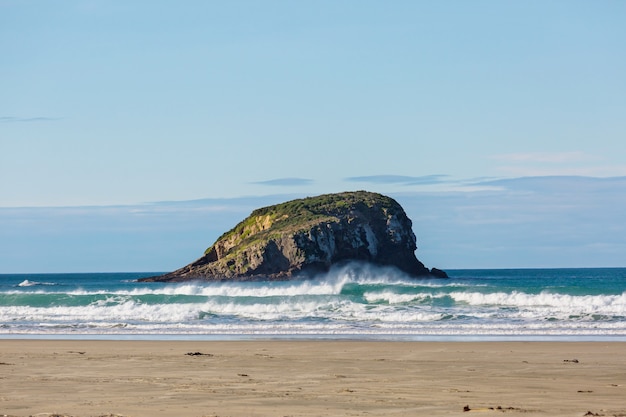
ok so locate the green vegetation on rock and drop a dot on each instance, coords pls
(297, 215)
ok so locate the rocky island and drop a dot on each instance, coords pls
(308, 236)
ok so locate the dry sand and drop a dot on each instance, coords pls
(310, 378)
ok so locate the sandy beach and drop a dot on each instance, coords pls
(310, 378)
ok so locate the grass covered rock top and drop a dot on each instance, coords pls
(308, 236)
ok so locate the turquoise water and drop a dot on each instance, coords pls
(354, 301)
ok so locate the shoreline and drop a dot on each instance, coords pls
(226, 337)
(201, 378)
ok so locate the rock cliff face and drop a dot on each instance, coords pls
(308, 236)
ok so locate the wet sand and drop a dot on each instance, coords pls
(310, 378)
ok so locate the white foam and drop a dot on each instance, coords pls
(240, 289)
(127, 311)
(585, 304)
(393, 298)
(28, 283)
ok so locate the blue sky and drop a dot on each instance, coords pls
(466, 112)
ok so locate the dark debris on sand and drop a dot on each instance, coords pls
(498, 408)
(198, 354)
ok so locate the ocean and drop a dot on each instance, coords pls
(354, 301)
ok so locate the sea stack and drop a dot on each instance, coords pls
(308, 236)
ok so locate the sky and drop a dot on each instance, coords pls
(134, 133)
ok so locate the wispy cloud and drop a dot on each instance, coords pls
(586, 171)
(573, 163)
(559, 184)
(286, 182)
(399, 179)
(12, 119)
(543, 157)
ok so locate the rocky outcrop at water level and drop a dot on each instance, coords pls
(308, 236)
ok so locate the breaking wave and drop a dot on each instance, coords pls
(348, 300)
